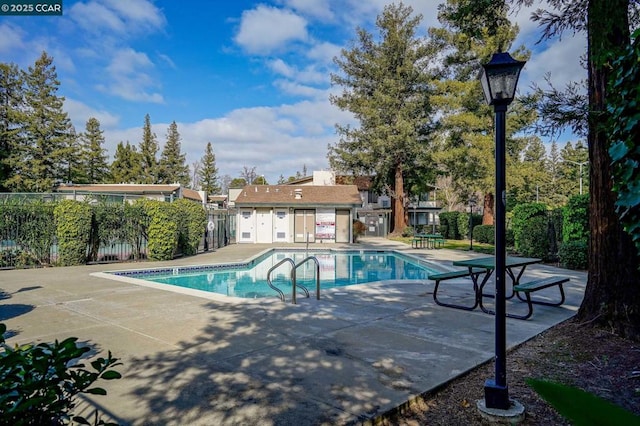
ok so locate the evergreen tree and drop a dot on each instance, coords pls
(127, 164)
(209, 172)
(466, 145)
(94, 159)
(281, 180)
(11, 104)
(71, 158)
(385, 86)
(148, 152)
(47, 131)
(172, 166)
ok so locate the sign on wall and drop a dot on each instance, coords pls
(325, 224)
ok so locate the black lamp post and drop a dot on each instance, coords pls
(472, 203)
(499, 79)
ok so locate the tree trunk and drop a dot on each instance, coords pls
(612, 296)
(399, 222)
(487, 215)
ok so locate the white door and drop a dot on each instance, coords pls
(264, 221)
(246, 226)
(281, 226)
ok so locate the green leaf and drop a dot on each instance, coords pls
(618, 150)
(111, 375)
(580, 407)
(96, 391)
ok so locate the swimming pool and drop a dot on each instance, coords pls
(338, 268)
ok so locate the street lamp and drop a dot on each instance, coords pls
(577, 164)
(472, 203)
(499, 79)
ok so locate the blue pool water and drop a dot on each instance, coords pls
(249, 280)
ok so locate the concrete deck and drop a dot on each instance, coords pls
(345, 359)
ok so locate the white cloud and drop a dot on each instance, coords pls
(319, 9)
(324, 52)
(113, 16)
(129, 79)
(80, 113)
(265, 29)
(11, 38)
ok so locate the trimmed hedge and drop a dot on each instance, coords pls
(534, 241)
(449, 225)
(163, 229)
(73, 228)
(573, 255)
(191, 227)
(575, 224)
(521, 215)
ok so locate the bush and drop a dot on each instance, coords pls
(534, 241)
(31, 226)
(192, 224)
(39, 383)
(163, 230)
(575, 224)
(463, 223)
(521, 216)
(574, 255)
(450, 221)
(407, 231)
(73, 228)
(484, 234)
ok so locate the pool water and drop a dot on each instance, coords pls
(337, 269)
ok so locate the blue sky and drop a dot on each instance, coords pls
(250, 77)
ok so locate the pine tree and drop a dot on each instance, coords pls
(11, 143)
(385, 85)
(172, 166)
(71, 158)
(94, 159)
(47, 130)
(148, 152)
(208, 172)
(127, 164)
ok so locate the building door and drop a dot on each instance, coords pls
(246, 226)
(304, 226)
(264, 222)
(343, 226)
(281, 226)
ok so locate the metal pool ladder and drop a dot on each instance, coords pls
(294, 268)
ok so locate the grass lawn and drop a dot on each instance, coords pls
(454, 244)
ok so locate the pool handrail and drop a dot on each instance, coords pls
(293, 279)
(303, 261)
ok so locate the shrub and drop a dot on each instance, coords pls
(73, 228)
(192, 224)
(521, 215)
(484, 234)
(163, 229)
(573, 255)
(534, 241)
(39, 383)
(407, 231)
(31, 226)
(450, 220)
(463, 223)
(575, 224)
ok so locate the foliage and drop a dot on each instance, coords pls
(625, 133)
(148, 151)
(31, 226)
(73, 228)
(573, 254)
(485, 234)
(575, 223)
(11, 90)
(127, 164)
(386, 86)
(582, 408)
(136, 227)
(107, 227)
(163, 229)
(209, 172)
(39, 383)
(449, 225)
(359, 228)
(94, 158)
(521, 215)
(463, 223)
(192, 223)
(408, 231)
(534, 241)
(172, 167)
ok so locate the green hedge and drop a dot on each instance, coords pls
(534, 241)
(449, 225)
(163, 229)
(31, 226)
(191, 227)
(484, 234)
(463, 223)
(521, 215)
(73, 228)
(575, 224)
(573, 255)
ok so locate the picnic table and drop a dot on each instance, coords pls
(427, 240)
(514, 267)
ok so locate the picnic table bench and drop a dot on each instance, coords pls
(535, 285)
(456, 274)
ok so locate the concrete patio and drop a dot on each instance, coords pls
(347, 358)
